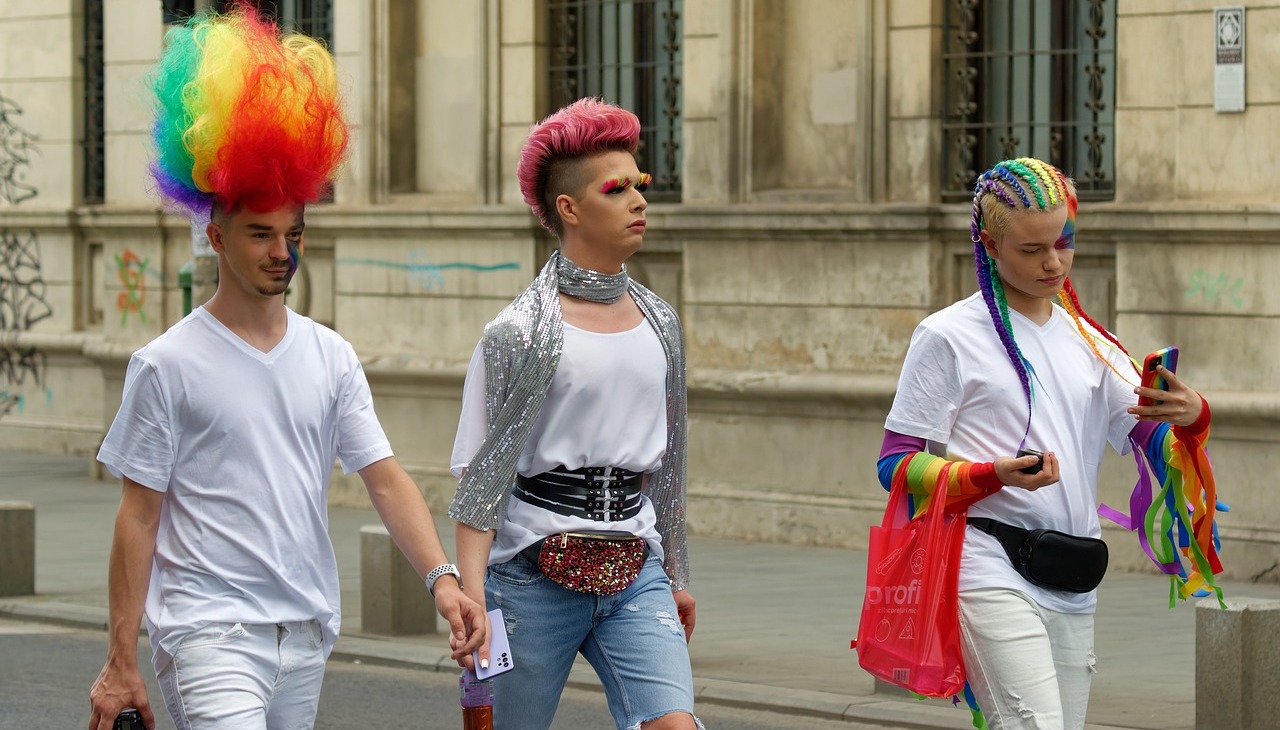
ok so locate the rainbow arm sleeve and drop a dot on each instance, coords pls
(1174, 514)
(967, 483)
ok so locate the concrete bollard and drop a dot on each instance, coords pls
(1237, 663)
(393, 599)
(17, 549)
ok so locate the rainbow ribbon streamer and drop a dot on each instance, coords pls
(1176, 523)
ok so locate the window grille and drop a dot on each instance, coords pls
(309, 17)
(93, 145)
(1030, 78)
(629, 53)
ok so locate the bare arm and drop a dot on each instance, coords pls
(119, 684)
(408, 519)
(473, 557)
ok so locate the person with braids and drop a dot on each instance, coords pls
(230, 421)
(1020, 365)
(571, 448)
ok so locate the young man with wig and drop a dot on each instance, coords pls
(571, 448)
(231, 421)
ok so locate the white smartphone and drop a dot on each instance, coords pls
(500, 660)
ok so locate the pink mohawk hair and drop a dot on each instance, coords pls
(586, 127)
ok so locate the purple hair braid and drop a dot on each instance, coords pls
(988, 281)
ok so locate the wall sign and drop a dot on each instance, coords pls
(1228, 62)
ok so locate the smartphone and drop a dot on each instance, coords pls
(128, 720)
(1035, 469)
(500, 660)
(1168, 357)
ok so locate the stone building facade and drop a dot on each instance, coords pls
(815, 153)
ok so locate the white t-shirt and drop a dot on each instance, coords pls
(607, 406)
(959, 391)
(241, 443)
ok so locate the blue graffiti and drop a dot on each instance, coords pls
(428, 276)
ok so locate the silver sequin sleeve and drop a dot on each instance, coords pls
(522, 347)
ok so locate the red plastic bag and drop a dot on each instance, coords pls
(909, 633)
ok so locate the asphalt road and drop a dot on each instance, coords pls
(45, 673)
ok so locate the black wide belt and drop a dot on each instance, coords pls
(602, 493)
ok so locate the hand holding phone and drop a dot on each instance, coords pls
(1035, 469)
(1151, 378)
(500, 660)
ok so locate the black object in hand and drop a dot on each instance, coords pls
(1035, 469)
(128, 720)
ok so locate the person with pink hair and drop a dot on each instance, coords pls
(230, 422)
(571, 448)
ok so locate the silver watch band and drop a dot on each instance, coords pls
(434, 575)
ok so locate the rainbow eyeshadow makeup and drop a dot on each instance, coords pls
(1068, 237)
(295, 252)
(619, 183)
(615, 184)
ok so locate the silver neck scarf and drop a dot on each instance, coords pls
(591, 285)
(522, 347)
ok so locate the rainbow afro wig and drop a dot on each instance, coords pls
(243, 116)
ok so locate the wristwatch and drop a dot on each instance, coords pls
(434, 575)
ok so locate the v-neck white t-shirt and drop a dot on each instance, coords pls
(242, 443)
(959, 391)
(607, 406)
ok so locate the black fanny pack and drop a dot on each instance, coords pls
(1050, 558)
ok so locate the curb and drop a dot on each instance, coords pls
(880, 711)
(876, 711)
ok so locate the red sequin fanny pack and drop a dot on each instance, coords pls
(599, 562)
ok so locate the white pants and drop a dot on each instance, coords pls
(1030, 667)
(246, 677)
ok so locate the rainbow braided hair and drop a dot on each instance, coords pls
(1012, 183)
(1033, 184)
(244, 116)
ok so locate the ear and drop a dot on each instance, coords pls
(989, 243)
(567, 209)
(214, 232)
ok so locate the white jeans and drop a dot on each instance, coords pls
(246, 677)
(1030, 667)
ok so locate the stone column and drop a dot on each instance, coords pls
(393, 599)
(1237, 664)
(17, 549)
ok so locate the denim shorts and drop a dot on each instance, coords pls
(633, 639)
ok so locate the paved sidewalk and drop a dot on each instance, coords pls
(774, 621)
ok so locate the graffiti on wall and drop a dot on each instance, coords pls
(22, 287)
(132, 271)
(16, 147)
(22, 305)
(23, 300)
(427, 276)
(1216, 288)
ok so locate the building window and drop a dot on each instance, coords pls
(312, 18)
(93, 143)
(627, 52)
(309, 17)
(1030, 78)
